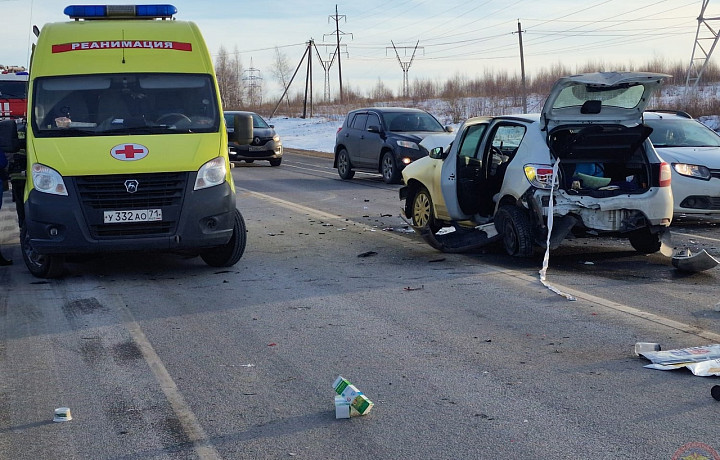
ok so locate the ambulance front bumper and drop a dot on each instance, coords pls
(74, 224)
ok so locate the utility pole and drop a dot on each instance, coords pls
(405, 66)
(308, 79)
(337, 34)
(694, 74)
(253, 85)
(522, 68)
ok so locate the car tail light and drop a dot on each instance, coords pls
(665, 174)
(540, 176)
(339, 128)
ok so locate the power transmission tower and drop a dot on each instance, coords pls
(337, 17)
(254, 86)
(699, 63)
(326, 64)
(405, 66)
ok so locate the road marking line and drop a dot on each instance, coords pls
(619, 307)
(190, 425)
(667, 322)
(695, 236)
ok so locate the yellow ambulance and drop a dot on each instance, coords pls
(126, 144)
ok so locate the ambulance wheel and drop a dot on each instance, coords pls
(228, 254)
(514, 226)
(40, 265)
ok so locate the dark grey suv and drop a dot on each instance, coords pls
(383, 140)
(266, 144)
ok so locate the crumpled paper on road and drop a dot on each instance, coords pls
(702, 361)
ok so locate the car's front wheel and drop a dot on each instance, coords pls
(421, 211)
(389, 170)
(40, 265)
(343, 165)
(275, 161)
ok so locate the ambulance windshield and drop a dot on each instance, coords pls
(117, 104)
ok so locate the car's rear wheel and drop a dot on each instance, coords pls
(249, 161)
(644, 241)
(389, 170)
(514, 226)
(422, 211)
(343, 165)
(229, 253)
(40, 265)
(275, 162)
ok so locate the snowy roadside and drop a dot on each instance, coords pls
(318, 133)
(307, 133)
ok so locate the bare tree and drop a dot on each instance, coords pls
(282, 71)
(229, 70)
(224, 77)
(380, 92)
(239, 82)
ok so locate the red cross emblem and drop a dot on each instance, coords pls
(129, 152)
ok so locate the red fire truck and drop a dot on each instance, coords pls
(13, 94)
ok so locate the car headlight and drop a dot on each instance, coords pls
(47, 180)
(697, 171)
(276, 138)
(408, 145)
(211, 174)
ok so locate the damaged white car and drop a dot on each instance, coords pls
(588, 150)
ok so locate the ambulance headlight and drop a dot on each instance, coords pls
(47, 180)
(211, 173)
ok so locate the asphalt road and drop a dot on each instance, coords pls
(464, 355)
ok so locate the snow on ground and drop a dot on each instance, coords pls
(318, 133)
(307, 133)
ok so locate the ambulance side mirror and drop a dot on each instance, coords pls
(243, 129)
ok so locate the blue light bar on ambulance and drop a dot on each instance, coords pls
(120, 11)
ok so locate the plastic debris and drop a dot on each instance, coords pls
(644, 347)
(367, 254)
(702, 361)
(687, 261)
(62, 414)
(408, 288)
(350, 395)
(717, 306)
(715, 392)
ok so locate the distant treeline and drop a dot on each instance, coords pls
(498, 92)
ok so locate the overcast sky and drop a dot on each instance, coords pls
(462, 37)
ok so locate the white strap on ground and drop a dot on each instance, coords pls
(546, 259)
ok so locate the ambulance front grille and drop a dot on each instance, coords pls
(101, 193)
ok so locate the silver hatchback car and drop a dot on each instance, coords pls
(583, 166)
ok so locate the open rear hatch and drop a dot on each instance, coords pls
(602, 160)
(594, 124)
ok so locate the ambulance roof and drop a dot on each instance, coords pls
(120, 45)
